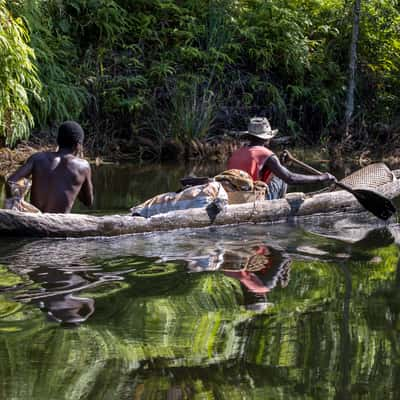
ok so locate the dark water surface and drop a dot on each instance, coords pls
(288, 311)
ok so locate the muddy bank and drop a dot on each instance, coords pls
(218, 150)
(11, 159)
(143, 150)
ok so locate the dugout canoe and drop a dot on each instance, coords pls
(294, 206)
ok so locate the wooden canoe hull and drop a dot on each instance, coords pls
(13, 223)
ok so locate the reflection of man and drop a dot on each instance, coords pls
(58, 178)
(261, 273)
(67, 309)
(58, 301)
(262, 164)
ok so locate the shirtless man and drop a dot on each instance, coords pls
(58, 178)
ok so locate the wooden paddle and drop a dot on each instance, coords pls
(371, 200)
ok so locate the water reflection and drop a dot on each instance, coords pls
(258, 266)
(55, 297)
(258, 282)
(250, 311)
(55, 289)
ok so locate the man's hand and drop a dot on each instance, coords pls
(327, 177)
(284, 157)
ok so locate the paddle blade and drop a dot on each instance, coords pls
(375, 203)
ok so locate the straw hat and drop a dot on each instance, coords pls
(260, 128)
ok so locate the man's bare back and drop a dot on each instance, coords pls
(58, 178)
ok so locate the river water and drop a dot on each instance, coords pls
(306, 310)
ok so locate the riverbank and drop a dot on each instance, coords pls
(215, 150)
(11, 159)
(143, 150)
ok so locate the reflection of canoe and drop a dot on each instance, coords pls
(14, 223)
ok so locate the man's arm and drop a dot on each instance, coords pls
(86, 193)
(291, 178)
(23, 172)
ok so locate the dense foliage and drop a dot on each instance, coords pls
(17, 78)
(171, 69)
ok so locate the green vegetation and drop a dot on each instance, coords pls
(164, 69)
(18, 77)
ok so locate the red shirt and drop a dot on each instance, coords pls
(251, 160)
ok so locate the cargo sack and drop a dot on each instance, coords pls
(236, 179)
(16, 202)
(240, 187)
(240, 197)
(202, 196)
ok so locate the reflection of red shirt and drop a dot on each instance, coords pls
(251, 159)
(248, 279)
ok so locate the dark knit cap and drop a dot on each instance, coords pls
(70, 134)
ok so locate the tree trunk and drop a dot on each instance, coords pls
(352, 67)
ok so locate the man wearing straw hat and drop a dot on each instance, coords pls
(262, 164)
